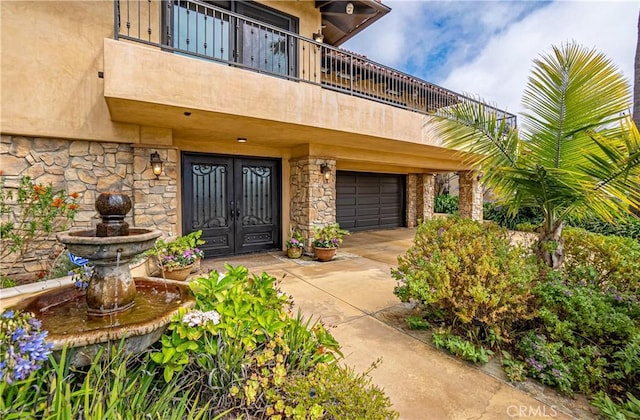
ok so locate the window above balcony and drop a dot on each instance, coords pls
(260, 41)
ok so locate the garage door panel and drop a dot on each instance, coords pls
(364, 212)
(367, 201)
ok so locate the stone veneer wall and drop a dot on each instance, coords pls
(420, 192)
(313, 198)
(412, 200)
(426, 196)
(470, 196)
(90, 168)
(155, 200)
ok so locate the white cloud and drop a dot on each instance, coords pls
(499, 73)
(487, 48)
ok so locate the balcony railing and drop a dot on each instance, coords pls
(201, 30)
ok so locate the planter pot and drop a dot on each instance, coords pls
(196, 266)
(325, 254)
(294, 252)
(178, 273)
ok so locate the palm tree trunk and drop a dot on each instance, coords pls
(551, 246)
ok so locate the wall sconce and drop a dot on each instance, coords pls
(156, 164)
(349, 8)
(318, 37)
(326, 171)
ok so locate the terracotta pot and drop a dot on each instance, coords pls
(196, 266)
(325, 254)
(180, 273)
(294, 252)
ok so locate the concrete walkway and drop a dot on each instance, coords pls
(347, 294)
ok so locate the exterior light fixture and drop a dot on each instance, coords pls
(326, 171)
(349, 8)
(318, 37)
(156, 164)
(241, 140)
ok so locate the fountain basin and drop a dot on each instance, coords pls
(63, 312)
(85, 243)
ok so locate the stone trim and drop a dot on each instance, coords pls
(155, 201)
(412, 200)
(471, 195)
(313, 198)
(426, 196)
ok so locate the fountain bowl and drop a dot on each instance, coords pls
(86, 244)
(63, 313)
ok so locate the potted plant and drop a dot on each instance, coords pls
(295, 244)
(326, 241)
(176, 259)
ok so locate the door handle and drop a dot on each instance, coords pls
(232, 210)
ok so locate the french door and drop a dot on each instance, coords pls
(235, 201)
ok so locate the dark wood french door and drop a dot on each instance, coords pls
(235, 201)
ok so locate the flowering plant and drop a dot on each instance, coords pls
(179, 253)
(329, 236)
(22, 345)
(178, 260)
(81, 276)
(296, 240)
(29, 214)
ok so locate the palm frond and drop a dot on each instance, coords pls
(571, 91)
(481, 133)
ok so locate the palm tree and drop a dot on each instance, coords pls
(577, 153)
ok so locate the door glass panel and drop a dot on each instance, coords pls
(201, 30)
(264, 49)
(256, 195)
(210, 196)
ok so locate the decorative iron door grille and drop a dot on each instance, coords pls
(234, 201)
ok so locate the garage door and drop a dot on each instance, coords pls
(369, 201)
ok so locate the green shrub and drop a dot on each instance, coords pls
(445, 203)
(460, 347)
(609, 262)
(333, 392)
(468, 276)
(628, 226)
(500, 215)
(587, 339)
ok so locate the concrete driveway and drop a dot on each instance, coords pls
(353, 294)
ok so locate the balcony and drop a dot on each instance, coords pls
(215, 34)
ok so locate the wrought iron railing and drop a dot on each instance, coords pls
(208, 32)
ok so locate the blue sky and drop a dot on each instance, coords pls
(486, 48)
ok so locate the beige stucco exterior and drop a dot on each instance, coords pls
(65, 77)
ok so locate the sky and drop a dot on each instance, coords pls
(486, 48)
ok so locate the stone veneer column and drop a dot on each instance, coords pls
(471, 195)
(412, 200)
(155, 200)
(425, 196)
(313, 198)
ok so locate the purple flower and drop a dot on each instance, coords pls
(534, 364)
(556, 373)
(18, 334)
(187, 253)
(22, 344)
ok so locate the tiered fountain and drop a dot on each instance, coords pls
(114, 305)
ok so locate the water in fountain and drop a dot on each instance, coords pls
(113, 305)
